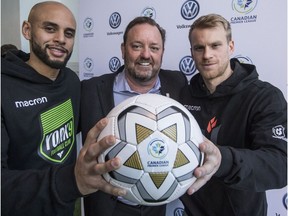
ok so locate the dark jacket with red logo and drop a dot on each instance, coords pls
(38, 139)
(246, 118)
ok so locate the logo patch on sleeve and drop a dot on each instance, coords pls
(279, 132)
(58, 132)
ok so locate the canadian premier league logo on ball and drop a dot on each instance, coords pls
(157, 141)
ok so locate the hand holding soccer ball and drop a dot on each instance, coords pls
(157, 141)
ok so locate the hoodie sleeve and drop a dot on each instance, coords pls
(259, 163)
(50, 191)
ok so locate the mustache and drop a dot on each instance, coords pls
(144, 61)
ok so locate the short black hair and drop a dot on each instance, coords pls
(144, 20)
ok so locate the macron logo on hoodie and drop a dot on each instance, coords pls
(32, 102)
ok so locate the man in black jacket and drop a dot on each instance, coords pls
(246, 120)
(142, 51)
(39, 117)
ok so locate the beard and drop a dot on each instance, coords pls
(43, 56)
(141, 76)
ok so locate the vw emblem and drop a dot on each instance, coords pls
(187, 65)
(190, 9)
(115, 20)
(114, 64)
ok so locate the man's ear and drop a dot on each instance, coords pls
(123, 50)
(191, 51)
(231, 47)
(26, 30)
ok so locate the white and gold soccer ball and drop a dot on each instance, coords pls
(157, 140)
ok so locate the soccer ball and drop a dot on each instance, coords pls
(157, 141)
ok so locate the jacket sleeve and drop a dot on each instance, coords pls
(35, 192)
(172, 82)
(261, 163)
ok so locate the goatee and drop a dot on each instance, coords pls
(42, 54)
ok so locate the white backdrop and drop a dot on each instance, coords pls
(259, 29)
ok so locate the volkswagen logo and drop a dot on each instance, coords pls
(115, 20)
(190, 9)
(187, 65)
(114, 64)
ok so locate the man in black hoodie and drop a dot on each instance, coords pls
(246, 120)
(39, 116)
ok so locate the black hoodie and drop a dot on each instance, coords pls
(246, 118)
(39, 119)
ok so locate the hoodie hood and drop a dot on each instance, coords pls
(242, 76)
(14, 65)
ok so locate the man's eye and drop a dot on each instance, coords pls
(136, 46)
(215, 46)
(155, 49)
(198, 49)
(69, 34)
(49, 29)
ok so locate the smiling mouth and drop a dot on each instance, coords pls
(56, 51)
(144, 63)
